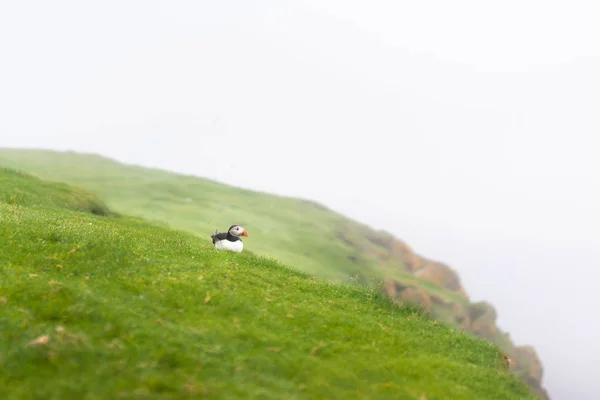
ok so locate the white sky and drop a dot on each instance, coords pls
(468, 129)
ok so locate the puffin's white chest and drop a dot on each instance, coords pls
(226, 245)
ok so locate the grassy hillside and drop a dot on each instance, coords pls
(299, 233)
(101, 306)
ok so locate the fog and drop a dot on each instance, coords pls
(468, 129)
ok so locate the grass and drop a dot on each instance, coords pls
(24, 189)
(104, 306)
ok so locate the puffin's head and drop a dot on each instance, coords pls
(238, 231)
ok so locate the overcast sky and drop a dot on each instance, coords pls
(468, 129)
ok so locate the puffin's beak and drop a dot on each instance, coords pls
(245, 233)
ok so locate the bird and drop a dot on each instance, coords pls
(230, 241)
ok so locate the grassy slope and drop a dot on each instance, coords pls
(135, 310)
(283, 228)
(197, 205)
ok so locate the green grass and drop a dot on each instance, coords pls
(134, 310)
(300, 234)
(24, 189)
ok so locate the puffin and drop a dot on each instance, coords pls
(230, 241)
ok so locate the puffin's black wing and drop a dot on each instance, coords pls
(218, 236)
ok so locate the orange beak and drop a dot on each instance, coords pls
(245, 233)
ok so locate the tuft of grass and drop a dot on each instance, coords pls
(98, 307)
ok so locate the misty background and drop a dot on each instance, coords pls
(468, 129)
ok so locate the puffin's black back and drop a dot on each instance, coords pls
(226, 235)
(219, 236)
